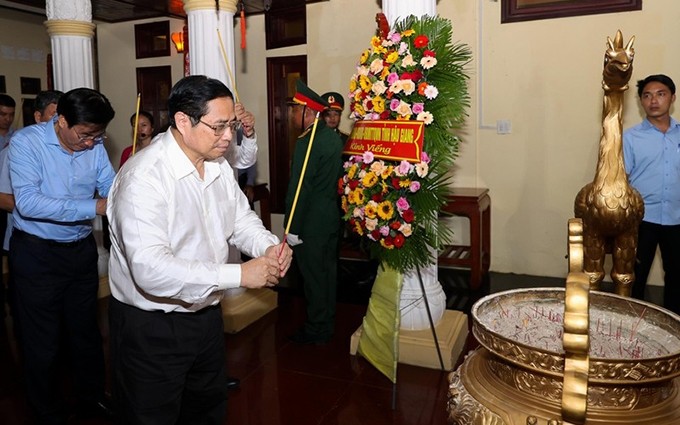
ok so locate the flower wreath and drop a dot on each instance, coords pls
(412, 72)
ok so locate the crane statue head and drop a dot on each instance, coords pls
(618, 63)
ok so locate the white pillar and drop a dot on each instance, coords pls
(205, 51)
(69, 24)
(399, 9)
(412, 303)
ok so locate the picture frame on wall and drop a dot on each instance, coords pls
(152, 40)
(29, 85)
(526, 10)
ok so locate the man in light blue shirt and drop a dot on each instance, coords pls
(652, 159)
(57, 169)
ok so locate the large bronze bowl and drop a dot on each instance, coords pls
(516, 377)
(631, 341)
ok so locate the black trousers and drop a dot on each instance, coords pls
(168, 368)
(667, 238)
(55, 289)
(317, 259)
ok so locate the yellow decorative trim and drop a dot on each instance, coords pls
(69, 27)
(225, 5)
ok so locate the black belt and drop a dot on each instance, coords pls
(29, 237)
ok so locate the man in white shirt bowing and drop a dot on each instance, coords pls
(174, 209)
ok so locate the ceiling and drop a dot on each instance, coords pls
(129, 10)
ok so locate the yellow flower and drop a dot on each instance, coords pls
(365, 83)
(384, 187)
(344, 203)
(385, 72)
(376, 41)
(371, 209)
(359, 109)
(385, 210)
(352, 84)
(386, 172)
(392, 57)
(407, 33)
(404, 183)
(364, 56)
(378, 104)
(358, 229)
(403, 118)
(352, 171)
(358, 196)
(369, 180)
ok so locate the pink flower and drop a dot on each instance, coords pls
(394, 104)
(367, 157)
(404, 168)
(414, 187)
(384, 230)
(394, 36)
(424, 157)
(418, 108)
(392, 78)
(402, 204)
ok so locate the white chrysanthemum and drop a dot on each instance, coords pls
(425, 117)
(428, 62)
(431, 92)
(421, 169)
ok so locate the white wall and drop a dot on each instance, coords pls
(22, 56)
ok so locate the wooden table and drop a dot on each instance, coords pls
(475, 204)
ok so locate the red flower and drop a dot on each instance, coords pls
(421, 41)
(369, 105)
(421, 88)
(405, 76)
(395, 225)
(376, 197)
(376, 234)
(399, 240)
(395, 182)
(429, 53)
(389, 240)
(408, 215)
(385, 114)
(416, 75)
(353, 184)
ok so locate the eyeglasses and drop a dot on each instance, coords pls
(234, 126)
(99, 138)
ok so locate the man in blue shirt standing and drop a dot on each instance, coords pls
(57, 169)
(652, 159)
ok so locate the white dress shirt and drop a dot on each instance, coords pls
(170, 230)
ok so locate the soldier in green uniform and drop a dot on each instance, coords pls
(313, 228)
(333, 113)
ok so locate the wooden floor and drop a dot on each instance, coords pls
(287, 384)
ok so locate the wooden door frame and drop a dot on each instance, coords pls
(280, 153)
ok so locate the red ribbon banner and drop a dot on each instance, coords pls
(392, 140)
